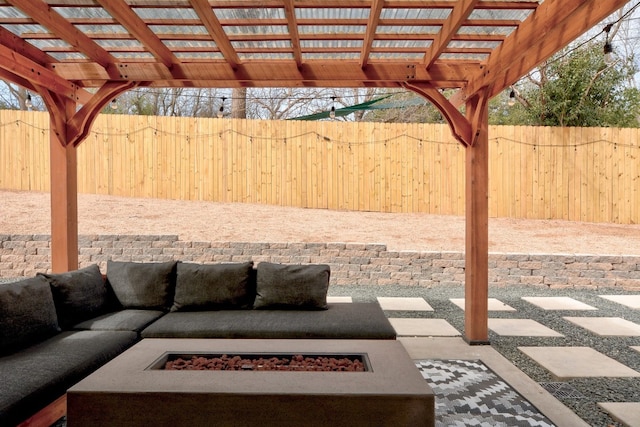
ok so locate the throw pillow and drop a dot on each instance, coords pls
(142, 285)
(78, 295)
(213, 286)
(27, 314)
(292, 286)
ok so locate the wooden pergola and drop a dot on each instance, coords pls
(80, 54)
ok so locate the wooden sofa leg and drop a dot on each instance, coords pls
(47, 415)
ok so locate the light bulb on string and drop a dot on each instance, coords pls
(114, 104)
(332, 112)
(512, 98)
(221, 110)
(28, 102)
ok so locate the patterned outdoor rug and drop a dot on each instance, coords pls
(468, 393)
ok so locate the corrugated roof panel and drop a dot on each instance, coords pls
(332, 13)
(265, 55)
(500, 14)
(408, 29)
(402, 43)
(403, 56)
(11, 12)
(250, 13)
(101, 29)
(119, 43)
(331, 44)
(473, 44)
(422, 13)
(465, 56)
(332, 29)
(44, 44)
(133, 55)
(191, 43)
(199, 55)
(165, 13)
(255, 29)
(68, 56)
(489, 30)
(262, 44)
(19, 30)
(331, 55)
(178, 29)
(82, 12)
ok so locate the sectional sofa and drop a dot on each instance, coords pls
(55, 329)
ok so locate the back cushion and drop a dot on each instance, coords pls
(27, 314)
(142, 285)
(214, 286)
(300, 287)
(78, 295)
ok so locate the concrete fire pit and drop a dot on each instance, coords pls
(131, 390)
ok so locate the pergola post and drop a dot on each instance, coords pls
(477, 224)
(64, 203)
(68, 129)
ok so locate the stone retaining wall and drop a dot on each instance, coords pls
(351, 263)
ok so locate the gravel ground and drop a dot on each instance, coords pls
(592, 390)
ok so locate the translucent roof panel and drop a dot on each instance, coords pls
(255, 29)
(82, 12)
(332, 29)
(133, 55)
(11, 12)
(501, 14)
(118, 43)
(165, 13)
(473, 44)
(68, 56)
(332, 13)
(408, 56)
(265, 55)
(333, 44)
(422, 13)
(489, 31)
(178, 29)
(263, 44)
(250, 13)
(48, 43)
(199, 55)
(19, 30)
(101, 29)
(402, 43)
(331, 55)
(204, 44)
(411, 29)
(465, 56)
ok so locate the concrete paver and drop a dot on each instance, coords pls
(631, 301)
(558, 303)
(423, 327)
(493, 303)
(521, 327)
(577, 362)
(627, 413)
(607, 326)
(404, 304)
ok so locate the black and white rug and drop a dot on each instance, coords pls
(468, 393)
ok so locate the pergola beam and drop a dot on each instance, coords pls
(551, 27)
(212, 24)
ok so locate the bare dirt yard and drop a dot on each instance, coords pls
(29, 213)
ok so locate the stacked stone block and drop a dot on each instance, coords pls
(351, 263)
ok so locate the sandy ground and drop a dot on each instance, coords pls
(29, 213)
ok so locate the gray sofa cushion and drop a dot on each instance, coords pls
(142, 285)
(125, 320)
(213, 286)
(348, 321)
(35, 377)
(78, 295)
(27, 314)
(291, 286)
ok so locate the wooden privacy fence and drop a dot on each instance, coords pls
(582, 174)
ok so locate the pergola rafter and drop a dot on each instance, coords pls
(79, 54)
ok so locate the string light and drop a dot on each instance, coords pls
(221, 110)
(512, 98)
(608, 47)
(332, 113)
(28, 103)
(114, 104)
